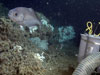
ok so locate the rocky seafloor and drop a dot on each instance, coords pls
(17, 54)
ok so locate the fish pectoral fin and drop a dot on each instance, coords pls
(22, 17)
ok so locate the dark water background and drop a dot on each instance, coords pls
(63, 12)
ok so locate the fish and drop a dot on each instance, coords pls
(24, 16)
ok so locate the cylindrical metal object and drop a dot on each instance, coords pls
(89, 44)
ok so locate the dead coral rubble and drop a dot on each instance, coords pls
(14, 61)
(17, 53)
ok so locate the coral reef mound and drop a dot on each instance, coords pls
(15, 56)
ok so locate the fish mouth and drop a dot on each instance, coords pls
(9, 13)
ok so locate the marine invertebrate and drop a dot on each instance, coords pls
(45, 21)
(42, 44)
(88, 65)
(66, 33)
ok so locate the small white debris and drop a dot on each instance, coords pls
(33, 29)
(50, 69)
(40, 57)
(22, 28)
(19, 48)
(44, 22)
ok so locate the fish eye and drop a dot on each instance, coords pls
(16, 14)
